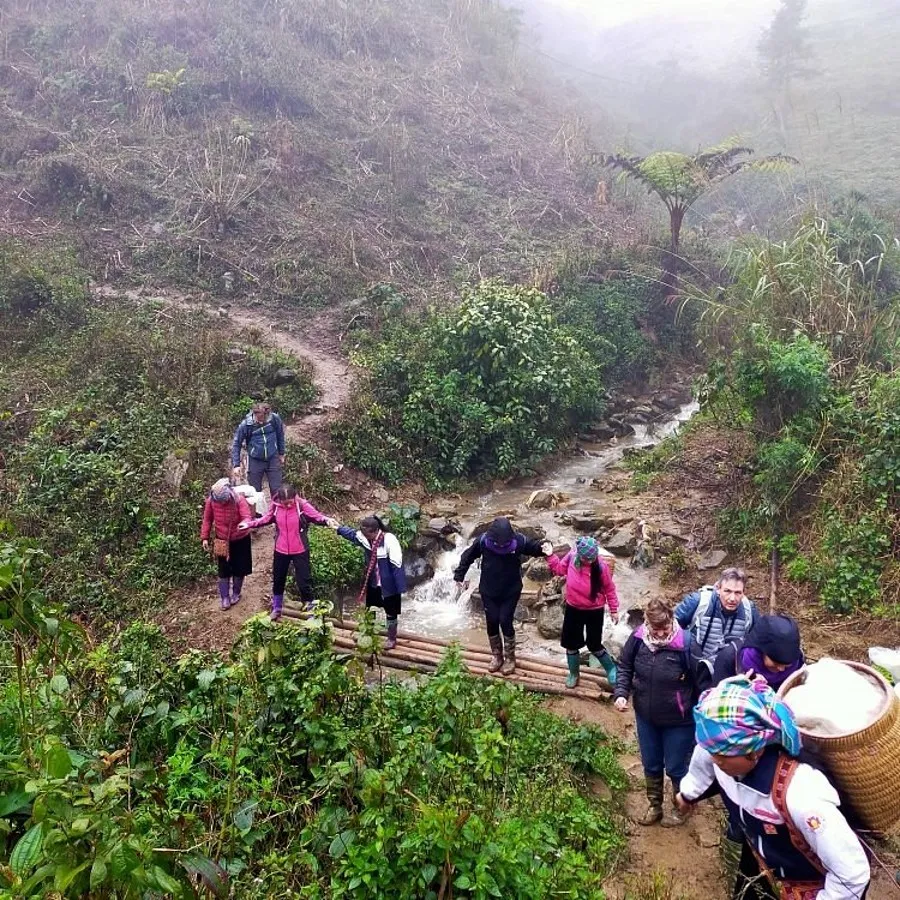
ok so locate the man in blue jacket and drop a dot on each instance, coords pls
(717, 615)
(263, 434)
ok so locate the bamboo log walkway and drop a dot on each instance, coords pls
(417, 653)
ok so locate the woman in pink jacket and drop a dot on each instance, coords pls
(291, 515)
(589, 591)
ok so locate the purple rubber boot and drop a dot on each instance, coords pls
(277, 605)
(224, 601)
(237, 583)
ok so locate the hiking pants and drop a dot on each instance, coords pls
(270, 467)
(302, 573)
(665, 749)
(499, 613)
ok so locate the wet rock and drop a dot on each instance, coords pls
(445, 508)
(621, 542)
(712, 559)
(439, 525)
(539, 571)
(283, 376)
(525, 613)
(542, 499)
(550, 621)
(416, 569)
(425, 544)
(532, 532)
(668, 402)
(621, 428)
(603, 432)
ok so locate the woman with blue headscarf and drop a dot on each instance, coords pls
(786, 812)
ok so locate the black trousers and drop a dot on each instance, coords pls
(499, 613)
(580, 622)
(281, 564)
(390, 605)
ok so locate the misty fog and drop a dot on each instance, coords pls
(683, 75)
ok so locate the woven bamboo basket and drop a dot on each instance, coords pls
(865, 764)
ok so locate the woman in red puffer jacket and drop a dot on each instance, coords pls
(222, 516)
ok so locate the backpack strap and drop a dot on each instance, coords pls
(784, 775)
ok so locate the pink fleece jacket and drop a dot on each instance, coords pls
(578, 584)
(288, 530)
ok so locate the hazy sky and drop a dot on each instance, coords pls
(615, 12)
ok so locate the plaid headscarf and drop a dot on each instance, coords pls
(739, 717)
(221, 491)
(586, 551)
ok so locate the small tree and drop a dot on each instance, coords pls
(679, 180)
(784, 46)
(785, 54)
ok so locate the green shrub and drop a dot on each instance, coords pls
(280, 770)
(488, 388)
(97, 402)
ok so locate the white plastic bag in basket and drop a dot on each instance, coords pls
(835, 699)
(886, 659)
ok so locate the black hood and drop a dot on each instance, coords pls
(776, 636)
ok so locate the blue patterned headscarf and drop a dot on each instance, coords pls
(586, 551)
(739, 717)
(221, 491)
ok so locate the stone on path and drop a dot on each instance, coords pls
(712, 559)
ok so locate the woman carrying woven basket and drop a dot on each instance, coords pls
(792, 829)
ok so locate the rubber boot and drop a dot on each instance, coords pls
(509, 655)
(655, 790)
(673, 817)
(496, 653)
(237, 583)
(391, 641)
(277, 604)
(573, 660)
(606, 661)
(224, 601)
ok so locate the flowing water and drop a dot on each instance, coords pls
(436, 607)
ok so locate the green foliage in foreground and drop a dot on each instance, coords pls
(812, 342)
(491, 386)
(278, 773)
(94, 397)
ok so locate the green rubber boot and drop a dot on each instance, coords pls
(574, 663)
(604, 659)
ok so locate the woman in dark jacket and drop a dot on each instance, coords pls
(655, 670)
(501, 550)
(771, 650)
(385, 578)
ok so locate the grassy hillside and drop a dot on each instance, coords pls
(309, 147)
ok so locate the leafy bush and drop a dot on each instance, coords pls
(279, 772)
(96, 402)
(488, 388)
(809, 365)
(607, 317)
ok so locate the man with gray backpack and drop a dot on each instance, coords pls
(716, 615)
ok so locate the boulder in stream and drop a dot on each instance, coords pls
(542, 499)
(621, 542)
(550, 620)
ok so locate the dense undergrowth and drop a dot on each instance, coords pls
(307, 147)
(491, 386)
(276, 773)
(100, 401)
(803, 345)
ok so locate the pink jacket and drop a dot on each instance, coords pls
(578, 584)
(288, 525)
